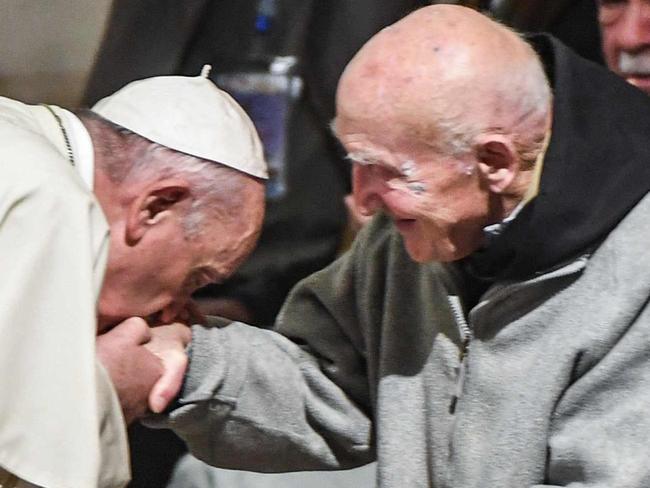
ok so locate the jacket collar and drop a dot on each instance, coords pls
(596, 169)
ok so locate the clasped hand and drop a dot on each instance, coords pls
(146, 364)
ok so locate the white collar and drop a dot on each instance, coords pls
(493, 230)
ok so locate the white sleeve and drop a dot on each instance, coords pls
(53, 243)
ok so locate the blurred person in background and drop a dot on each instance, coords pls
(574, 22)
(625, 30)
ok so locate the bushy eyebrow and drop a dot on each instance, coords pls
(366, 158)
(369, 159)
(363, 158)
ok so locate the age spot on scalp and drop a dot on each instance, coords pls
(371, 70)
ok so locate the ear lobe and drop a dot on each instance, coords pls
(154, 204)
(497, 162)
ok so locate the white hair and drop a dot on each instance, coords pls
(218, 191)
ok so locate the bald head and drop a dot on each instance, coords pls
(445, 114)
(443, 69)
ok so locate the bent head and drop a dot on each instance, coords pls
(443, 114)
(177, 223)
(178, 172)
(625, 33)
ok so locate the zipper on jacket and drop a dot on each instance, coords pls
(466, 338)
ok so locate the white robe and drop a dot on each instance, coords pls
(60, 421)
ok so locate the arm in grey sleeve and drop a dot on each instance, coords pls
(270, 401)
(601, 428)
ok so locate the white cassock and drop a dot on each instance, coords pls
(60, 421)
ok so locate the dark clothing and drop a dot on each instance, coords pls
(574, 22)
(553, 228)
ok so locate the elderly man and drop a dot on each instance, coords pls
(491, 327)
(625, 32)
(172, 167)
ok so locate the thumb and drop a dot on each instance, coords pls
(168, 343)
(169, 385)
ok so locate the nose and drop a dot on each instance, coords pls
(367, 189)
(634, 27)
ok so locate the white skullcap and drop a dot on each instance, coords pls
(190, 115)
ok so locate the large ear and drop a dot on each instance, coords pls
(156, 202)
(498, 162)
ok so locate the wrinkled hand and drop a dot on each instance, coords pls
(168, 342)
(133, 369)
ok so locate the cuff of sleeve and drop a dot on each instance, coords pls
(217, 366)
(215, 374)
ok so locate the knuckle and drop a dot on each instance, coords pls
(139, 327)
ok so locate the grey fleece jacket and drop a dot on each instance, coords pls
(365, 365)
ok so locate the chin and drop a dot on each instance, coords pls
(428, 253)
(421, 254)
